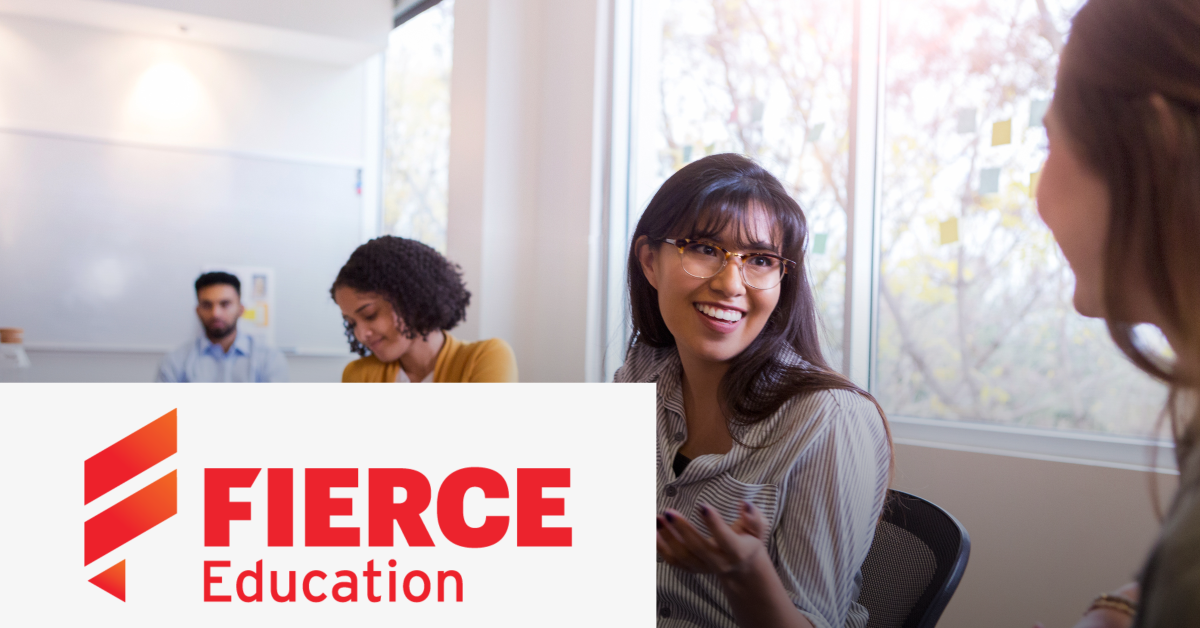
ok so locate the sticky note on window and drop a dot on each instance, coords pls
(1037, 111)
(1033, 183)
(1002, 133)
(814, 133)
(966, 121)
(949, 231)
(818, 245)
(989, 181)
(757, 111)
(687, 154)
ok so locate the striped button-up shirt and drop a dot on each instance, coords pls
(819, 481)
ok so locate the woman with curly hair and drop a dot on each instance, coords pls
(398, 299)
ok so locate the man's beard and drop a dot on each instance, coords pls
(219, 333)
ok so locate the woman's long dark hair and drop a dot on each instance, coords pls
(1129, 96)
(700, 201)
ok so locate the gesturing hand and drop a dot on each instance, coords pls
(731, 549)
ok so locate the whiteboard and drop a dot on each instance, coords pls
(100, 243)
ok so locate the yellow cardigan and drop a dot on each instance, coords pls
(489, 360)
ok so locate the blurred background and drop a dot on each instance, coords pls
(145, 141)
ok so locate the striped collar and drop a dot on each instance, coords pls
(662, 366)
(668, 375)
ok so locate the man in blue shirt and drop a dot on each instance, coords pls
(222, 354)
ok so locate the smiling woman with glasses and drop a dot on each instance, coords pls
(772, 467)
(702, 260)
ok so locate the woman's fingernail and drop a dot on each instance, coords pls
(747, 506)
(704, 510)
(670, 517)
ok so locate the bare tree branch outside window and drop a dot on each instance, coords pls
(769, 79)
(975, 318)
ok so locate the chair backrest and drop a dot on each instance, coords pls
(914, 565)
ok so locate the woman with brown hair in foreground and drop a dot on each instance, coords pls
(1121, 192)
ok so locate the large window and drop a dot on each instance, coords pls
(416, 138)
(975, 315)
(972, 317)
(766, 78)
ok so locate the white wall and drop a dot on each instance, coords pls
(69, 85)
(1046, 537)
(336, 31)
(141, 366)
(523, 148)
(523, 109)
(80, 81)
(364, 20)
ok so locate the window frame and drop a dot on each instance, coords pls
(372, 177)
(405, 10)
(868, 101)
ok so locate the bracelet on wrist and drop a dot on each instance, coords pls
(1113, 603)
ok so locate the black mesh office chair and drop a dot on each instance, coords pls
(914, 565)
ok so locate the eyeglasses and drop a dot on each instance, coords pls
(704, 260)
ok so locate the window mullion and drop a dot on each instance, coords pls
(862, 192)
